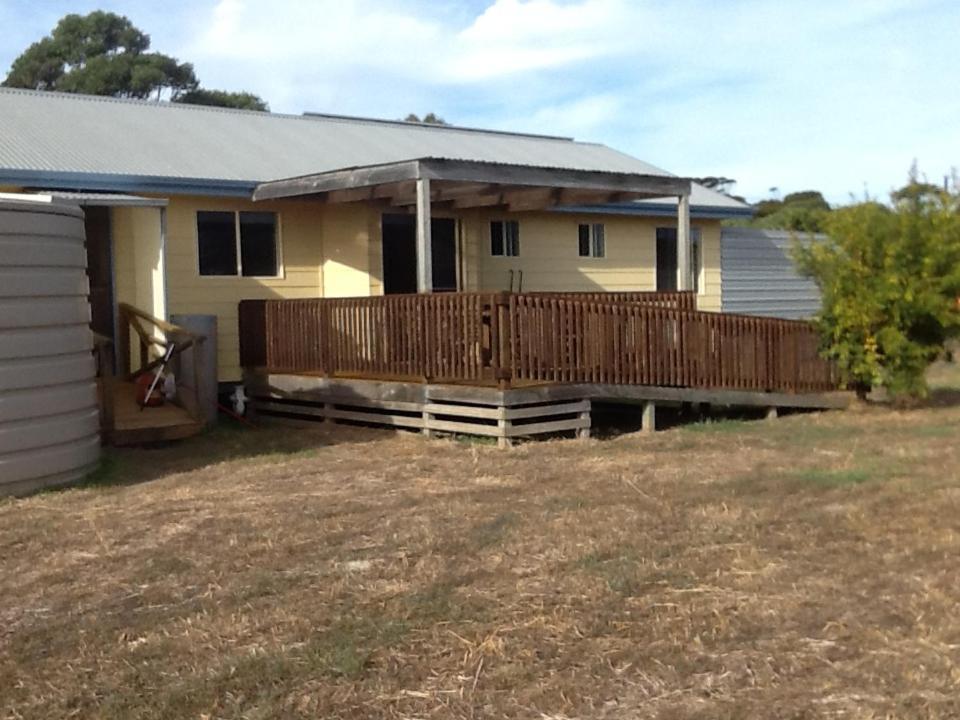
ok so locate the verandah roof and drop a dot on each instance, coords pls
(466, 184)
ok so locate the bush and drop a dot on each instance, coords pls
(890, 282)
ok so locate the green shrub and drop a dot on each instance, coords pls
(890, 279)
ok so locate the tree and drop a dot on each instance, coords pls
(428, 119)
(890, 282)
(222, 98)
(803, 211)
(105, 54)
(720, 184)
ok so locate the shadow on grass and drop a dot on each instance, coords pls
(226, 441)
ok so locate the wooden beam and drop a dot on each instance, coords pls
(570, 196)
(535, 199)
(424, 243)
(648, 185)
(404, 200)
(392, 190)
(442, 192)
(684, 274)
(350, 195)
(478, 201)
(338, 180)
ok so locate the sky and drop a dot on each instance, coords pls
(831, 95)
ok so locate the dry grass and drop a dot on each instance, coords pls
(804, 568)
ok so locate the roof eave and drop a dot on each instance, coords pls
(702, 212)
(80, 181)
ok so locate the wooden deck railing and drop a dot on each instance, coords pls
(630, 338)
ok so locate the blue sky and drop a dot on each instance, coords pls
(837, 96)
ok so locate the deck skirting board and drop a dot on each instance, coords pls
(485, 411)
(329, 402)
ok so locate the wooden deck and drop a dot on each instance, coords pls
(512, 365)
(134, 426)
(122, 420)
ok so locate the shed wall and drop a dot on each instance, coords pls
(760, 278)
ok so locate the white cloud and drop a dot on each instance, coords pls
(512, 37)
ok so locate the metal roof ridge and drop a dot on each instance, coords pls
(304, 116)
(166, 104)
(437, 126)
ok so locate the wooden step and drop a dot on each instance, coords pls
(133, 425)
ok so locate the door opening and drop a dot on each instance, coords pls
(399, 233)
(100, 269)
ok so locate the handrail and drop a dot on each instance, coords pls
(127, 308)
(149, 343)
(620, 338)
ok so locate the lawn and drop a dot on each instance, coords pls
(800, 568)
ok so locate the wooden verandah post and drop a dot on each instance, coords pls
(684, 252)
(424, 240)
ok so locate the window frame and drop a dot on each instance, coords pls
(595, 241)
(505, 239)
(238, 275)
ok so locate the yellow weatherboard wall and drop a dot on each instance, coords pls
(301, 255)
(336, 251)
(138, 262)
(550, 261)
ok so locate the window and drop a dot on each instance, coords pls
(237, 243)
(667, 280)
(505, 238)
(592, 240)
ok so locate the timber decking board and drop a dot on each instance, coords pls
(131, 425)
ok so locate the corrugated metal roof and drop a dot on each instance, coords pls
(46, 133)
(87, 134)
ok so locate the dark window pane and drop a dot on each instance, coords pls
(217, 243)
(513, 238)
(443, 245)
(666, 259)
(584, 238)
(258, 244)
(399, 254)
(599, 241)
(496, 238)
(695, 257)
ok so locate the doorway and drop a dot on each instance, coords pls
(100, 269)
(399, 234)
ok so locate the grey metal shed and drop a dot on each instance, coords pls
(758, 276)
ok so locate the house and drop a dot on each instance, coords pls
(190, 210)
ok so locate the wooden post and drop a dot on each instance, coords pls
(584, 432)
(772, 413)
(424, 242)
(503, 440)
(684, 252)
(648, 420)
(426, 430)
